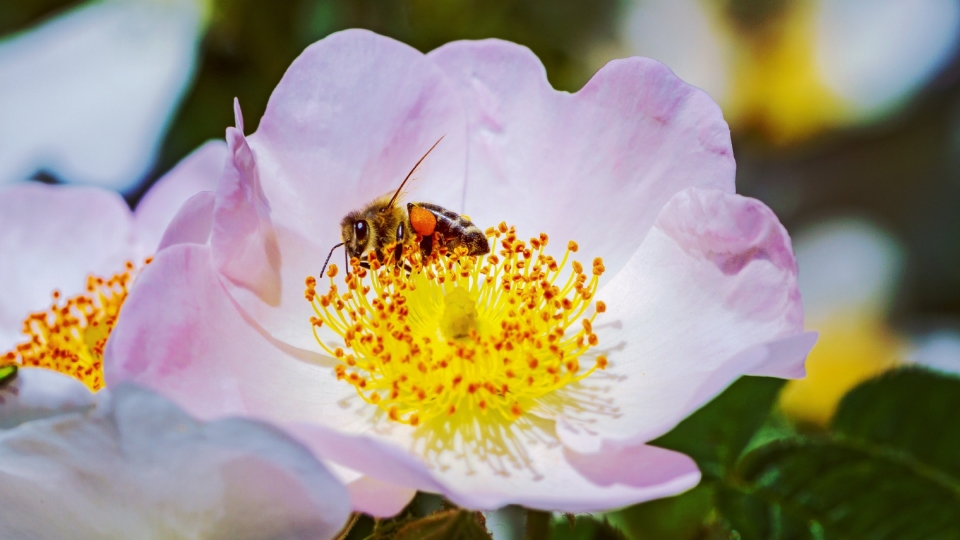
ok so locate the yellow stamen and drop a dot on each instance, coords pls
(451, 338)
(71, 335)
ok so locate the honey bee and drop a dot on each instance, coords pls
(385, 222)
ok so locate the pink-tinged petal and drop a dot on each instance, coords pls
(710, 295)
(192, 223)
(52, 238)
(379, 499)
(182, 335)
(570, 482)
(596, 166)
(347, 122)
(244, 237)
(200, 171)
(137, 467)
(38, 393)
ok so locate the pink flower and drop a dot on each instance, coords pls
(56, 238)
(697, 285)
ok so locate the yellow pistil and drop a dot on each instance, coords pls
(71, 335)
(453, 339)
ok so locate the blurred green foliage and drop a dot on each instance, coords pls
(17, 15)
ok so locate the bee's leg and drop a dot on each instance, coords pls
(426, 245)
(398, 257)
(346, 262)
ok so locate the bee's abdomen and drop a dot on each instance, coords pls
(454, 229)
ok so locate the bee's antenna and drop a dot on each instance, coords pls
(409, 174)
(328, 259)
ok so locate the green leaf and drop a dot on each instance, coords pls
(445, 525)
(7, 373)
(675, 518)
(715, 435)
(913, 410)
(850, 488)
(889, 470)
(583, 527)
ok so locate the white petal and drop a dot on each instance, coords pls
(40, 393)
(87, 96)
(138, 467)
(710, 295)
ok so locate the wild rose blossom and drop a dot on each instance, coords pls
(83, 246)
(673, 288)
(135, 466)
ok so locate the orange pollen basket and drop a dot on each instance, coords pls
(452, 338)
(71, 335)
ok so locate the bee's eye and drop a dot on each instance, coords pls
(360, 231)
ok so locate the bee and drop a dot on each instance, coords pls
(385, 222)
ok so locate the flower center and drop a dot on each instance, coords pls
(451, 338)
(71, 335)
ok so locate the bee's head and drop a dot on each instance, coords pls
(356, 232)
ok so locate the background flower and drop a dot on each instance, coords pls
(54, 238)
(792, 68)
(136, 466)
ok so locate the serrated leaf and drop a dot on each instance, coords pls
(447, 525)
(912, 410)
(847, 488)
(715, 435)
(889, 470)
(7, 373)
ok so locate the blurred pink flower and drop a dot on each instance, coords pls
(700, 284)
(53, 238)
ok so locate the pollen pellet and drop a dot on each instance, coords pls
(516, 322)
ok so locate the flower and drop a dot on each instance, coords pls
(135, 466)
(690, 286)
(849, 272)
(83, 246)
(88, 95)
(797, 67)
